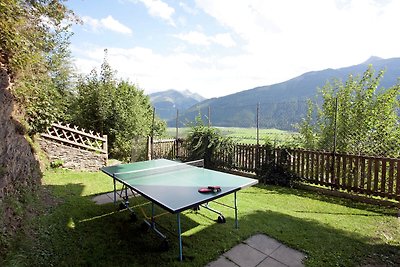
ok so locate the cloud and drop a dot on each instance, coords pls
(271, 41)
(199, 38)
(209, 76)
(114, 25)
(224, 39)
(158, 8)
(196, 38)
(188, 9)
(313, 34)
(108, 23)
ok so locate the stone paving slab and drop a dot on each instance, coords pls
(288, 256)
(244, 255)
(104, 198)
(263, 243)
(223, 262)
(108, 198)
(261, 251)
(271, 262)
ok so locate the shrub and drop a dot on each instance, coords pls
(56, 163)
(276, 171)
(204, 141)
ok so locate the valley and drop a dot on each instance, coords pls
(244, 135)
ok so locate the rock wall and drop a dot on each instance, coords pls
(19, 168)
(71, 157)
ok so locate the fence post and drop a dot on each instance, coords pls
(334, 145)
(257, 156)
(176, 124)
(149, 149)
(177, 135)
(105, 147)
(209, 116)
(152, 133)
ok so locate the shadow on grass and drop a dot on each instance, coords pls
(351, 203)
(79, 233)
(324, 245)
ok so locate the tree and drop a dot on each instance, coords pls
(34, 47)
(115, 108)
(363, 117)
(32, 35)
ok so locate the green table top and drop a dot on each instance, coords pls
(173, 185)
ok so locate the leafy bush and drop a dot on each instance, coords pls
(203, 141)
(56, 163)
(275, 169)
(357, 116)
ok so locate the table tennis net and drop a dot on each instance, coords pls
(158, 170)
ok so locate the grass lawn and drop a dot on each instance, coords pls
(76, 232)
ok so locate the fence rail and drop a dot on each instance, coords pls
(80, 138)
(376, 176)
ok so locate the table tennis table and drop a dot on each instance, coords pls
(174, 186)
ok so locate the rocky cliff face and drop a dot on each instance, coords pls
(19, 169)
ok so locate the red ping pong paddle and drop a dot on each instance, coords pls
(204, 190)
(210, 189)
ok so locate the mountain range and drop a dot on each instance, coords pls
(279, 105)
(168, 102)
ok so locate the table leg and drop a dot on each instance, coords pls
(179, 235)
(152, 223)
(236, 212)
(115, 191)
(152, 215)
(126, 197)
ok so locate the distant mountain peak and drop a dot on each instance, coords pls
(190, 94)
(167, 102)
(372, 59)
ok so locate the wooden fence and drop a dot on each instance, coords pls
(76, 137)
(168, 148)
(376, 176)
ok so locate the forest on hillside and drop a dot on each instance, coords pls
(283, 105)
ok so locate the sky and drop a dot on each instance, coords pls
(219, 47)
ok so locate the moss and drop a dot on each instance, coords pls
(4, 237)
(56, 163)
(38, 151)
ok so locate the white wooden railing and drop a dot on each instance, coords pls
(81, 138)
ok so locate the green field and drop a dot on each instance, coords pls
(244, 135)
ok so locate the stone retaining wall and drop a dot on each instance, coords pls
(73, 158)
